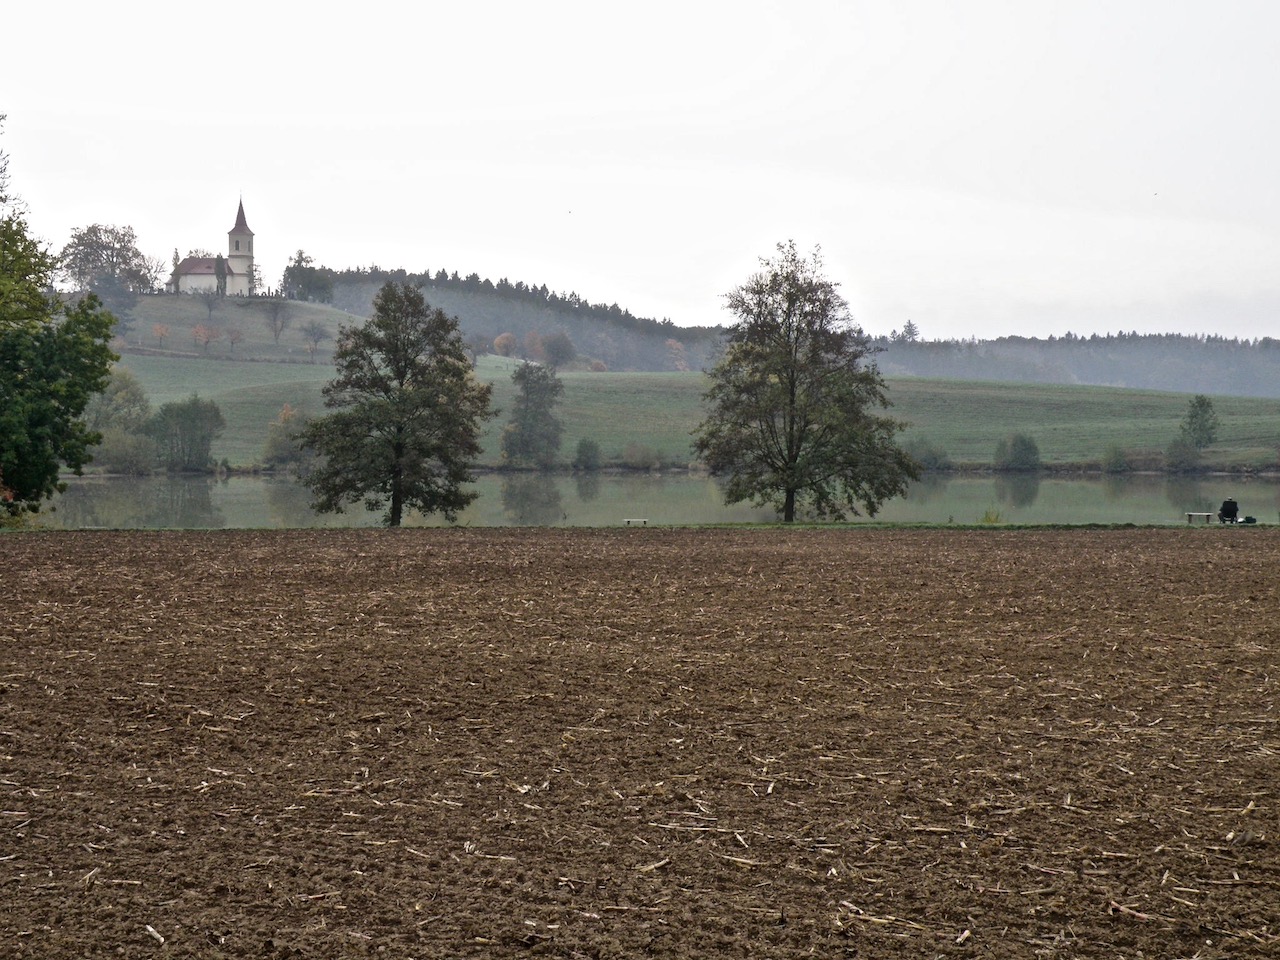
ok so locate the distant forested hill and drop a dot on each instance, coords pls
(609, 335)
(1187, 364)
(615, 339)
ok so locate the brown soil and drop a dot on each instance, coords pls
(636, 743)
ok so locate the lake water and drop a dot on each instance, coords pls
(608, 499)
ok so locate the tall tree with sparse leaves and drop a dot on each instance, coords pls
(792, 420)
(533, 436)
(407, 410)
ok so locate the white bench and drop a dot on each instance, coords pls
(636, 521)
(1208, 517)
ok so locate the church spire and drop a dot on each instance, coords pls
(240, 254)
(241, 226)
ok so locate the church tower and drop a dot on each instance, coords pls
(240, 257)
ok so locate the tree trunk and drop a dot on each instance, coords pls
(789, 507)
(397, 499)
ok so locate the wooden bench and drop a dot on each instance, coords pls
(1208, 517)
(636, 521)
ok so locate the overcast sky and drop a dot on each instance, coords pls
(981, 167)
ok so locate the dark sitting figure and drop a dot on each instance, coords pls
(1229, 513)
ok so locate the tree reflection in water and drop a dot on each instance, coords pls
(588, 485)
(532, 499)
(930, 487)
(1018, 489)
(184, 502)
(289, 502)
(1185, 494)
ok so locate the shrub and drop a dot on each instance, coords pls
(587, 456)
(282, 449)
(928, 454)
(1181, 456)
(1017, 452)
(1116, 460)
(122, 451)
(637, 456)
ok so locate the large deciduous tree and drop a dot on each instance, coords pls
(303, 280)
(184, 432)
(793, 419)
(53, 359)
(106, 260)
(533, 436)
(406, 417)
(559, 349)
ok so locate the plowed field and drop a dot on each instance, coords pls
(635, 743)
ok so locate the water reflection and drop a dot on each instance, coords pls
(289, 503)
(184, 502)
(606, 499)
(587, 485)
(930, 487)
(1116, 486)
(1017, 489)
(532, 500)
(1185, 494)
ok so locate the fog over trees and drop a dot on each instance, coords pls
(1208, 364)
(614, 337)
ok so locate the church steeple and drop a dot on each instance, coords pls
(240, 252)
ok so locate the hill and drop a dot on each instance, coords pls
(1189, 364)
(611, 338)
(167, 325)
(607, 338)
(644, 418)
(609, 335)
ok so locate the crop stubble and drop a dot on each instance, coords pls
(640, 743)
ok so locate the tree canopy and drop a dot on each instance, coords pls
(106, 260)
(53, 359)
(792, 419)
(1017, 452)
(184, 432)
(406, 417)
(303, 280)
(533, 436)
(1201, 424)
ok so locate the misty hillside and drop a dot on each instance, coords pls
(614, 339)
(1185, 364)
(610, 335)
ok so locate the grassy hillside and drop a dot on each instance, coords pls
(657, 411)
(182, 314)
(1076, 424)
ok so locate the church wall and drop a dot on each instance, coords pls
(191, 283)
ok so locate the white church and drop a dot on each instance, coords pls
(201, 273)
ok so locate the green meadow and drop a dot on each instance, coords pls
(643, 417)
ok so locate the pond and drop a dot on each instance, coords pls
(608, 499)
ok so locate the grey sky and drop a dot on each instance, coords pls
(981, 167)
